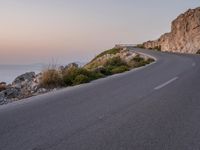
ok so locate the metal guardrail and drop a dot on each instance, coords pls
(125, 45)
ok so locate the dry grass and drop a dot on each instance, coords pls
(51, 78)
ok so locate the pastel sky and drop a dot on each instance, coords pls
(37, 31)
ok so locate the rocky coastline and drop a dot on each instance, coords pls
(29, 84)
(25, 86)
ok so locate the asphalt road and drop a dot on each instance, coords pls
(153, 108)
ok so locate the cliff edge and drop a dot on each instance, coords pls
(184, 36)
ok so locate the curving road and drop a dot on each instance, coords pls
(151, 108)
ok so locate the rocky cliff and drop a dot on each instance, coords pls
(184, 36)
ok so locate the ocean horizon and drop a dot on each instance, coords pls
(9, 72)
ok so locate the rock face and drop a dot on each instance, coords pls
(184, 36)
(23, 86)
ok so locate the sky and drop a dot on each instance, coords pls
(39, 31)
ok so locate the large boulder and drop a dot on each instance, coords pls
(9, 93)
(184, 36)
(27, 83)
(24, 78)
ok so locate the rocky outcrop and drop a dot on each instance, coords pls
(184, 36)
(116, 60)
(23, 86)
(70, 65)
(98, 62)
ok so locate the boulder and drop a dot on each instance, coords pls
(3, 86)
(11, 92)
(71, 65)
(23, 79)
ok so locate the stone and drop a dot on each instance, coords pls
(11, 92)
(71, 65)
(2, 98)
(184, 36)
(3, 86)
(41, 90)
(24, 78)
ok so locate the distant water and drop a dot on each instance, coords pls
(9, 72)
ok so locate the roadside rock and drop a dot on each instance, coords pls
(2, 86)
(2, 98)
(11, 92)
(23, 79)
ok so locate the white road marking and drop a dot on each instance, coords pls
(166, 83)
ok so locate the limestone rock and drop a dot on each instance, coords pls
(24, 78)
(2, 98)
(184, 36)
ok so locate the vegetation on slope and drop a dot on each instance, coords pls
(74, 75)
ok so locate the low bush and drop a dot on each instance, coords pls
(119, 69)
(73, 76)
(80, 79)
(70, 74)
(51, 78)
(115, 61)
(149, 60)
(198, 52)
(114, 65)
(138, 61)
(137, 58)
(95, 75)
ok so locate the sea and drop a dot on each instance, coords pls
(9, 72)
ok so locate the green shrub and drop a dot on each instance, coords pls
(114, 65)
(51, 78)
(115, 61)
(80, 79)
(139, 64)
(149, 60)
(95, 75)
(119, 69)
(137, 58)
(71, 73)
(72, 76)
(138, 61)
